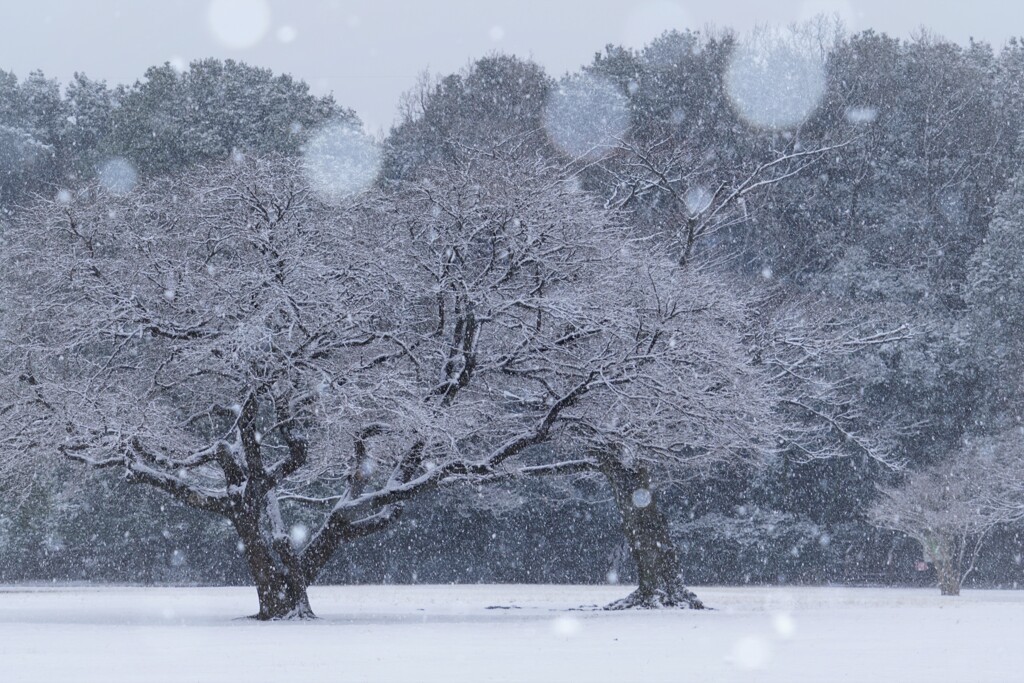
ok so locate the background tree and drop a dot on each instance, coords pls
(994, 326)
(689, 166)
(172, 119)
(494, 100)
(32, 120)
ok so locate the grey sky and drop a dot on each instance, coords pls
(367, 52)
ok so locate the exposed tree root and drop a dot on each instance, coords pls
(677, 597)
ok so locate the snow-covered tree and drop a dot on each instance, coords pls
(805, 406)
(188, 332)
(948, 509)
(700, 399)
(676, 386)
(690, 199)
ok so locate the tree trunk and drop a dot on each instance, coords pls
(947, 566)
(650, 543)
(945, 555)
(275, 568)
(949, 577)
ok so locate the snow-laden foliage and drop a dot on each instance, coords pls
(149, 317)
(173, 118)
(568, 303)
(819, 361)
(995, 325)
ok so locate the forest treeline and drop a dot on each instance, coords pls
(872, 248)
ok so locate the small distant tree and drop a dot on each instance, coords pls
(948, 509)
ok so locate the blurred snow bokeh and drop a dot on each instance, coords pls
(860, 116)
(286, 34)
(118, 176)
(774, 84)
(784, 625)
(586, 116)
(751, 653)
(239, 24)
(340, 161)
(566, 626)
(641, 498)
(697, 200)
(299, 534)
(177, 558)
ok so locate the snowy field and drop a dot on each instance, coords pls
(509, 633)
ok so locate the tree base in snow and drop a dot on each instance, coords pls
(302, 611)
(676, 598)
(295, 615)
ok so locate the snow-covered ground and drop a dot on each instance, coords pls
(509, 633)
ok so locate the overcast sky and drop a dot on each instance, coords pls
(367, 52)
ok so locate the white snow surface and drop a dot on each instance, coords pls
(447, 633)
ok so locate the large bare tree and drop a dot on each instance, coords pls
(682, 197)
(192, 332)
(682, 388)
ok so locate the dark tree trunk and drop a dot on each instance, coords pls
(275, 568)
(650, 543)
